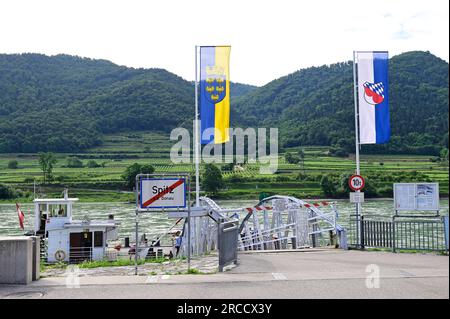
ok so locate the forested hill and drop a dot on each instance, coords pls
(65, 103)
(315, 106)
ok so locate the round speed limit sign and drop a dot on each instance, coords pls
(356, 182)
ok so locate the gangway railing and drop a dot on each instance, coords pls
(277, 222)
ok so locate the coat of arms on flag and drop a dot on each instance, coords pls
(214, 94)
(373, 97)
(374, 92)
(215, 89)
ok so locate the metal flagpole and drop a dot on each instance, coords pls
(355, 88)
(196, 137)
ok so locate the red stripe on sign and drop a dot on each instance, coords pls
(316, 204)
(249, 209)
(159, 195)
(324, 203)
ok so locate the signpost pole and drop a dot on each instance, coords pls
(156, 193)
(355, 88)
(136, 227)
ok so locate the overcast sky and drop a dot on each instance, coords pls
(269, 39)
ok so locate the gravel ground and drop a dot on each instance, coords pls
(205, 264)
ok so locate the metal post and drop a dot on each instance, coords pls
(393, 234)
(136, 227)
(189, 226)
(355, 95)
(196, 139)
(136, 246)
(362, 232)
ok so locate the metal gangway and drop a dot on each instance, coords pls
(286, 222)
(276, 222)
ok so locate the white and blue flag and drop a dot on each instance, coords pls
(373, 97)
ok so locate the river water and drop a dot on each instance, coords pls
(155, 224)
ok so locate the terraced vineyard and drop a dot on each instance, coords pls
(118, 151)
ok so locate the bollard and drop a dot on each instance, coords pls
(36, 260)
(127, 242)
(16, 264)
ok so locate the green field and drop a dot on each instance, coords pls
(121, 150)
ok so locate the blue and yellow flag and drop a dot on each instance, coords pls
(215, 93)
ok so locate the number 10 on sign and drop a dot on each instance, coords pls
(356, 182)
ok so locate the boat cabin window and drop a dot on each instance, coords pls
(57, 210)
(42, 210)
(98, 239)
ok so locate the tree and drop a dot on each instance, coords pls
(74, 162)
(13, 164)
(6, 192)
(301, 155)
(212, 179)
(444, 156)
(129, 176)
(328, 186)
(46, 161)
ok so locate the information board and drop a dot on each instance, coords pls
(416, 196)
(356, 197)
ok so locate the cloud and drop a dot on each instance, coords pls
(402, 34)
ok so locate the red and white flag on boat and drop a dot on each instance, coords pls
(21, 216)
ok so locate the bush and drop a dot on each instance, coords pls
(62, 178)
(7, 192)
(74, 162)
(227, 167)
(92, 164)
(291, 158)
(236, 178)
(281, 178)
(385, 191)
(338, 152)
(13, 164)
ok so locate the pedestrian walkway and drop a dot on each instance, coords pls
(305, 274)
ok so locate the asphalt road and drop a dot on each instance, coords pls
(315, 274)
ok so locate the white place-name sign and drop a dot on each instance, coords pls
(161, 193)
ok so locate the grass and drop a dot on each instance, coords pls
(409, 251)
(104, 184)
(193, 271)
(119, 263)
(103, 263)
